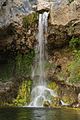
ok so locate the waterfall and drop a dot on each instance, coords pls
(38, 72)
(40, 93)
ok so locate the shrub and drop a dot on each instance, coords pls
(24, 63)
(74, 43)
(30, 19)
(23, 94)
(74, 68)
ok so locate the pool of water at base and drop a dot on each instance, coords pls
(39, 114)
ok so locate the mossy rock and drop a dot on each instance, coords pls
(55, 102)
(24, 64)
(30, 19)
(67, 99)
(53, 86)
(46, 104)
(23, 94)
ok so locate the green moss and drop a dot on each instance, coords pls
(54, 100)
(24, 64)
(53, 86)
(74, 68)
(20, 66)
(67, 99)
(23, 94)
(74, 43)
(30, 19)
(7, 70)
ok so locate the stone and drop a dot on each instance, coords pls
(12, 10)
(43, 5)
(19, 37)
(46, 104)
(64, 13)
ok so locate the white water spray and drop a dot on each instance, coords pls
(38, 72)
(40, 93)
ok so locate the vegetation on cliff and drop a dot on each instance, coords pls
(17, 55)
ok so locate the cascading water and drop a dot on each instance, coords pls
(40, 93)
(38, 72)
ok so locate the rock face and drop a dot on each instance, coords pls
(43, 4)
(17, 35)
(57, 37)
(64, 12)
(10, 10)
(11, 24)
(15, 93)
(8, 91)
(17, 40)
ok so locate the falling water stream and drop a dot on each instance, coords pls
(40, 93)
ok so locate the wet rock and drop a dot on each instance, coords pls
(68, 94)
(14, 93)
(55, 102)
(75, 105)
(46, 104)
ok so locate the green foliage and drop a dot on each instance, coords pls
(74, 43)
(6, 70)
(24, 63)
(30, 19)
(23, 94)
(74, 68)
(53, 86)
(20, 66)
(21, 98)
(49, 65)
(67, 99)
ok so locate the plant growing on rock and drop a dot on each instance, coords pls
(74, 43)
(7, 70)
(24, 63)
(74, 68)
(23, 93)
(30, 19)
